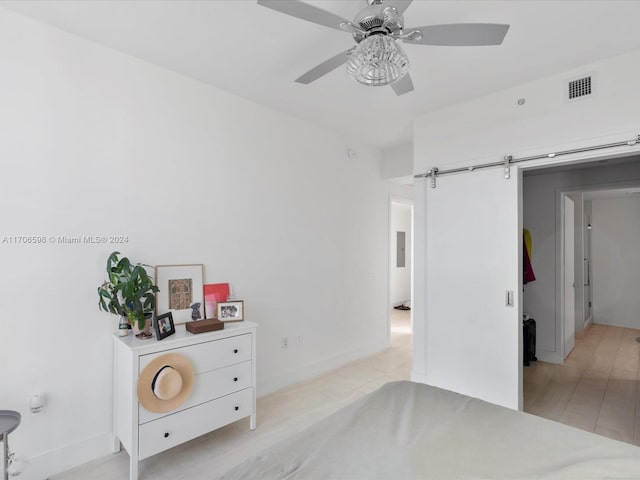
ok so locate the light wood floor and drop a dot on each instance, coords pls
(596, 389)
(279, 415)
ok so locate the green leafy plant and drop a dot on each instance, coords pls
(129, 291)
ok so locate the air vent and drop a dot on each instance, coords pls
(580, 88)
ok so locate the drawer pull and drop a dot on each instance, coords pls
(166, 434)
(236, 408)
(235, 350)
(235, 379)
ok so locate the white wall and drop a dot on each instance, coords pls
(616, 261)
(98, 143)
(397, 162)
(400, 277)
(484, 130)
(541, 215)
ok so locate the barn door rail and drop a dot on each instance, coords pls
(508, 160)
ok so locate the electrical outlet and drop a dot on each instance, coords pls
(285, 342)
(299, 339)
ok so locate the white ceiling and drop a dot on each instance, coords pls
(256, 52)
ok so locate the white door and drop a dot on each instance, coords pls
(568, 272)
(474, 246)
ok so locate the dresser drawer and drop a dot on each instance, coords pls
(172, 430)
(208, 386)
(210, 355)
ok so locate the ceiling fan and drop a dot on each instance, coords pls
(378, 59)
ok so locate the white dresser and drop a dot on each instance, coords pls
(224, 364)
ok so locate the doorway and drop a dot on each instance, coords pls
(557, 210)
(591, 379)
(400, 265)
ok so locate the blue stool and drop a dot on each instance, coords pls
(9, 421)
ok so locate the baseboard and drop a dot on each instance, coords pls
(56, 461)
(585, 329)
(305, 372)
(549, 357)
(621, 322)
(588, 322)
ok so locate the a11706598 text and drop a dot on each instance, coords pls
(63, 239)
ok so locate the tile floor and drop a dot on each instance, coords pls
(279, 415)
(596, 389)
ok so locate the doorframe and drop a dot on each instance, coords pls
(586, 233)
(560, 267)
(391, 252)
(563, 276)
(584, 158)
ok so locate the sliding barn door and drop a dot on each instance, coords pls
(473, 326)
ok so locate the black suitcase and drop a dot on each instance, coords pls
(529, 340)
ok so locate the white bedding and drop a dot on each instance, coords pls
(408, 430)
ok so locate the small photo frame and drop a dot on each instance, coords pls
(164, 326)
(231, 311)
(181, 291)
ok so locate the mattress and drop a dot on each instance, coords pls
(407, 430)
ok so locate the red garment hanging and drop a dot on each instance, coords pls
(529, 276)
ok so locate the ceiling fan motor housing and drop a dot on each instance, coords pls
(377, 19)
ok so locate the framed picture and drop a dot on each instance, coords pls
(231, 311)
(214, 293)
(181, 292)
(164, 326)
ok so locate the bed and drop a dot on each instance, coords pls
(407, 430)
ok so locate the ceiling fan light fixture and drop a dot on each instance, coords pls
(379, 60)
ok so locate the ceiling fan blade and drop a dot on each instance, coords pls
(325, 67)
(305, 11)
(402, 86)
(460, 34)
(401, 5)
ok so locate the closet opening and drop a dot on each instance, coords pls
(581, 224)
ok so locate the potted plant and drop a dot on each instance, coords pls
(129, 292)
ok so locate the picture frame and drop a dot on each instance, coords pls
(214, 293)
(230, 311)
(181, 291)
(164, 325)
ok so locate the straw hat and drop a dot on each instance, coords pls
(165, 383)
